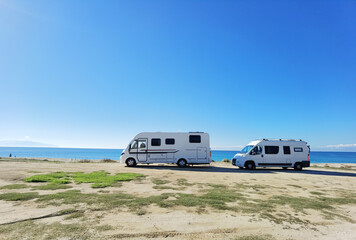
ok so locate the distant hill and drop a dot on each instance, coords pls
(24, 143)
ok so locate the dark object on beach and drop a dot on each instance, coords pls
(226, 160)
(84, 161)
(107, 160)
(10, 155)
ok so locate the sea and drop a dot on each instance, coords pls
(114, 154)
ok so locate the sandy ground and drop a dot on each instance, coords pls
(186, 222)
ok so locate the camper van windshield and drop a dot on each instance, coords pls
(246, 149)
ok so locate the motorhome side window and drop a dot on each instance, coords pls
(256, 150)
(170, 141)
(298, 149)
(194, 138)
(286, 149)
(271, 149)
(155, 142)
(142, 143)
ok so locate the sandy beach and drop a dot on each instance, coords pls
(205, 202)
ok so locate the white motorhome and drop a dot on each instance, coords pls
(168, 147)
(273, 153)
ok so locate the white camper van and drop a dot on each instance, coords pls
(165, 147)
(273, 153)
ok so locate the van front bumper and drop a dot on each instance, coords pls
(236, 162)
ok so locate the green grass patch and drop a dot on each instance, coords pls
(47, 231)
(184, 182)
(57, 177)
(18, 196)
(99, 179)
(103, 179)
(160, 187)
(75, 214)
(256, 237)
(52, 186)
(103, 228)
(158, 181)
(317, 193)
(14, 186)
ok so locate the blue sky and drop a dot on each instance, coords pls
(96, 73)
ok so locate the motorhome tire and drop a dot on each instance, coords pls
(298, 166)
(182, 163)
(131, 162)
(250, 165)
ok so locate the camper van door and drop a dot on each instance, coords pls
(271, 155)
(142, 150)
(202, 154)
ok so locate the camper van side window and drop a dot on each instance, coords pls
(256, 150)
(194, 138)
(133, 145)
(155, 142)
(170, 141)
(286, 149)
(298, 149)
(271, 149)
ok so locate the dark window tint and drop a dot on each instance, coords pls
(194, 138)
(170, 141)
(271, 149)
(155, 142)
(256, 150)
(286, 149)
(298, 149)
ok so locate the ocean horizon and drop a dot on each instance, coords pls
(114, 154)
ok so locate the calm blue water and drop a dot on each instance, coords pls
(97, 154)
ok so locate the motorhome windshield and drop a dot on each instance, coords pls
(246, 149)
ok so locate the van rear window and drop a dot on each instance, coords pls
(170, 141)
(155, 142)
(298, 149)
(194, 138)
(271, 149)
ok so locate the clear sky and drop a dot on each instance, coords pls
(96, 73)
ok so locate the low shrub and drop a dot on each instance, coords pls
(107, 160)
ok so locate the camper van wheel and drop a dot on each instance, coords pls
(130, 162)
(298, 166)
(250, 165)
(182, 163)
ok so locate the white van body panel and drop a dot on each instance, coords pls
(166, 152)
(298, 152)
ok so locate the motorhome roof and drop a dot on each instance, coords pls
(266, 139)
